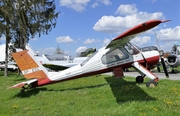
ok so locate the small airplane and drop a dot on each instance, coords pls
(119, 54)
(59, 61)
(61, 64)
(173, 60)
(11, 65)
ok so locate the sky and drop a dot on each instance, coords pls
(84, 24)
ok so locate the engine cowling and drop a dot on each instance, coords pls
(173, 60)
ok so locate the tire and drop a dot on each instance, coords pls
(151, 83)
(139, 79)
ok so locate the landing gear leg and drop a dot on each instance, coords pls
(151, 83)
(172, 71)
(25, 87)
(139, 79)
(22, 90)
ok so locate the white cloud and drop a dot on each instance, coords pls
(48, 51)
(106, 2)
(169, 34)
(34, 39)
(154, 1)
(81, 49)
(89, 41)
(106, 42)
(141, 41)
(94, 5)
(126, 9)
(3, 38)
(77, 5)
(167, 46)
(119, 24)
(64, 39)
(98, 2)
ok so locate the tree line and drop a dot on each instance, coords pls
(22, 20)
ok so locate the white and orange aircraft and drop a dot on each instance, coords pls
(118, 55)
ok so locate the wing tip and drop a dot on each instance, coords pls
(163, 21)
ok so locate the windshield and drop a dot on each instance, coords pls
(132, 49)
(115, 55)
(84, 62)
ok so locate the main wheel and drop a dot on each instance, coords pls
(151, 83)
(139, 79)
(22, 90)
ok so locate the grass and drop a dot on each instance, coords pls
(100, 95)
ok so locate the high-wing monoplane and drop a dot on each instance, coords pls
(116, 56)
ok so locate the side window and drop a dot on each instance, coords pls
(131, 49)
(114, 56)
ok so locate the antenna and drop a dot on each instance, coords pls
(157, 40)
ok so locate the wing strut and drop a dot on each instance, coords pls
(143, 71)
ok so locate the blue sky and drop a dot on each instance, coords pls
(94, 23)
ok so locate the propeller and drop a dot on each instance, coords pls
(161, 55)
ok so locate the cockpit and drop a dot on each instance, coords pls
(131, 48)
(120, 53)
(116, 54)
(84, 62)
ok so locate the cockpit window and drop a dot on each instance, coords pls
(131, 48)
(114, 56)
(84, 62)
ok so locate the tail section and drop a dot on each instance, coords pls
(29, 67)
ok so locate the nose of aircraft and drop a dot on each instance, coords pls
(152, 57)
(171, 59)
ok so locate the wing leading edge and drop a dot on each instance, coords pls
(133, 32)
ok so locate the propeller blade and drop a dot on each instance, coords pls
(164, 67)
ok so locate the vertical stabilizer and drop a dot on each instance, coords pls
(28, 65)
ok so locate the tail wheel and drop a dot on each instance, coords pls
(139, 79)
(24, 88)
(151, 83)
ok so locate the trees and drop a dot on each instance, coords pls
(6, 22)
(24, 19)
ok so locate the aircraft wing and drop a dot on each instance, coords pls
(133, 32)
(55, 67)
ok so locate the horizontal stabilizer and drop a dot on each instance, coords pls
(22, 84)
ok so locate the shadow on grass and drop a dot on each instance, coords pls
(125, 91)
(29, 92)
(79, 88)
(35, 91)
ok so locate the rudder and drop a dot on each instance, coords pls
(29, 67)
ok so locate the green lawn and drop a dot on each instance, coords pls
(100, 95)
